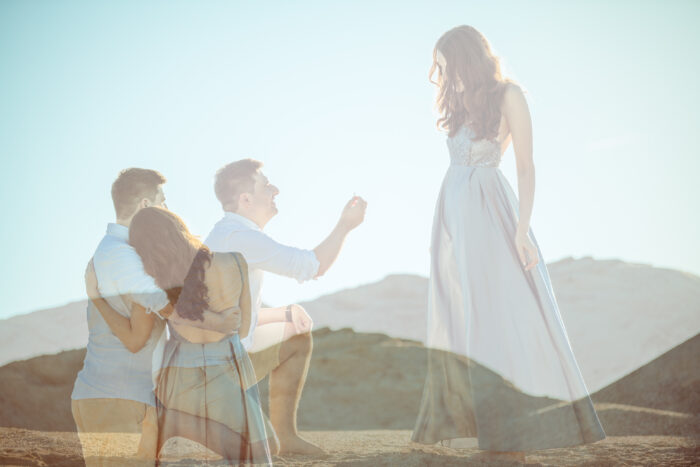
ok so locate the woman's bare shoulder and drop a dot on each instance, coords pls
(514, 107)
(228, 259)
(513, 93)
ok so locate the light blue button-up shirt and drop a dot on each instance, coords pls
(110, 370)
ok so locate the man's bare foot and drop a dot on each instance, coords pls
(296, 445)
(460, 443)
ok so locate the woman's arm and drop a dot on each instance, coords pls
(225, 321)
(517, 114)
(133, 332)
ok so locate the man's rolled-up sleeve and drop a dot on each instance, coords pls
(262, 252)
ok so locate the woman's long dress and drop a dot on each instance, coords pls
(207, 392)
(500, 367)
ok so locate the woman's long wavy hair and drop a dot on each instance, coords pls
(468, 59)
(174, 257)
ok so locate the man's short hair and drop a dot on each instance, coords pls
(131, 186)
(234, 179)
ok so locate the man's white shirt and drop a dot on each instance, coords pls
(235, 233)
(121, 277)
(110, 370)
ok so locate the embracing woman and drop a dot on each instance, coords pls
(206, 389)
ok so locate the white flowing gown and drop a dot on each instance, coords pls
(501, 367)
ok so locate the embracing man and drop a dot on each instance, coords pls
(279, 342)
(113, 403)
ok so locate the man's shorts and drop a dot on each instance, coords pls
(265, 352)
(116, 432)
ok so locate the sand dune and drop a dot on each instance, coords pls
(670, 382)
(651, 415)
(619, 316)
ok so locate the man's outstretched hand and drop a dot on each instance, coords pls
(327, 251)
(353, 213)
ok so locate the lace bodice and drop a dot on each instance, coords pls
(465, 151)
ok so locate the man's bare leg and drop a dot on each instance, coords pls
(286, 384)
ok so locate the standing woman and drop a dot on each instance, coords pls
(501, 368)
(206, 388)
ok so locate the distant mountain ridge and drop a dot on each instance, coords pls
(619, 316)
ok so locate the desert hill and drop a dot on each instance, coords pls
(356, 382)
(619, 316)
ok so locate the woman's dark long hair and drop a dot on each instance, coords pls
(469, 60)
(174, 257)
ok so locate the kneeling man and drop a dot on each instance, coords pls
(280, 342)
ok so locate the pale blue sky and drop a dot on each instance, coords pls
(334, 98)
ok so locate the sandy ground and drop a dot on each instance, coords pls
(386, 448)
(360, 403)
